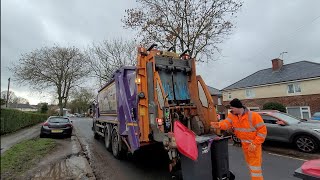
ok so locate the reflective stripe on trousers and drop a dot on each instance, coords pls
(254, 161)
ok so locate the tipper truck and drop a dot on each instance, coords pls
(139, 105)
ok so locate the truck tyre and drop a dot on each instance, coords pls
(95, 134)
(107, 137)
(116, 143)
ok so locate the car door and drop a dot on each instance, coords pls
(275, 132)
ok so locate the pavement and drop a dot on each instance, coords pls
(8, 140)
(67, 161)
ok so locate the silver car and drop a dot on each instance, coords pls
(285, 128)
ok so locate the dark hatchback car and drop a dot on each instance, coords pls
(282, 127)
(56, 125)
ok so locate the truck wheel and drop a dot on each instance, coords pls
(116, 148)
(107, 137)
(95, 134)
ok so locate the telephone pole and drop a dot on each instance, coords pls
(8, 93)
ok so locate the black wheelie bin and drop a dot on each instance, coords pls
(212, 162)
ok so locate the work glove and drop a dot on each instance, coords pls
(252, 147)
(215, 125)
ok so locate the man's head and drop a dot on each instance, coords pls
(236, 107)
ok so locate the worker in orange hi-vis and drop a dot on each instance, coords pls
(251, 130)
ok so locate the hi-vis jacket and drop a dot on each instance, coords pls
(249, 127)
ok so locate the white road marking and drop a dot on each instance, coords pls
(287, 157)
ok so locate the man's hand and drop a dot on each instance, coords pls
(215, 125)
(252, 147)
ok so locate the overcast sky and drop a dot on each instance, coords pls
(263, 30)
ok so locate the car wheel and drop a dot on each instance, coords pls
(69, 135)
(236, 139)
(116, 148)
(107, 137)
(306, 144)
(42, 135)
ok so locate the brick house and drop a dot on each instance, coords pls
(216, 95)
(295, 85)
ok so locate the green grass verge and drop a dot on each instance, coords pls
(24, 155)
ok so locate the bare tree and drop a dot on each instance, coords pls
(20, 100)
(80, 100)
(11, 98)
(108, 56)
(197, 25)
(61, 68)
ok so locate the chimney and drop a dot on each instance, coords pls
(277, 64)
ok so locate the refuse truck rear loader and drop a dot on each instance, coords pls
(140, 104)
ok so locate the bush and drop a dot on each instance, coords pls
(13, 120)
(274, 106)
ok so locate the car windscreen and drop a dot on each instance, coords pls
(58, 120)
(289, 119)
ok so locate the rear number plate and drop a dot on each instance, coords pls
(56, 131)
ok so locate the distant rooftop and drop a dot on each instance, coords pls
(21, 106)
(289, 72)
(214, 91)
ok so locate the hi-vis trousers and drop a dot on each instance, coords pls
(254, 161)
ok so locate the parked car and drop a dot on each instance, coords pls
(316, 116)
(285, 128)
(56, 125)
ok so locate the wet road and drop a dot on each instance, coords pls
(153, 165)
(105, 166)
(275, 166)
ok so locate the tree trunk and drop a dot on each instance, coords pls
(60, 106)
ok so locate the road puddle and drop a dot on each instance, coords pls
(75, 167)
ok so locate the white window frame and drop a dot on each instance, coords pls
(301, 110)
(295, 87)
(219, 101)
(229, 95)
(249, 93)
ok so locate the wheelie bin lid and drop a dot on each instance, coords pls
(185, 140)
(311, 167)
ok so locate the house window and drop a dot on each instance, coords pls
(219, 101)
(294, 88)
(249, 93)
(229, 95)
(302, 112)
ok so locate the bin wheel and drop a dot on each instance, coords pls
(232, 176)
(176, 175)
